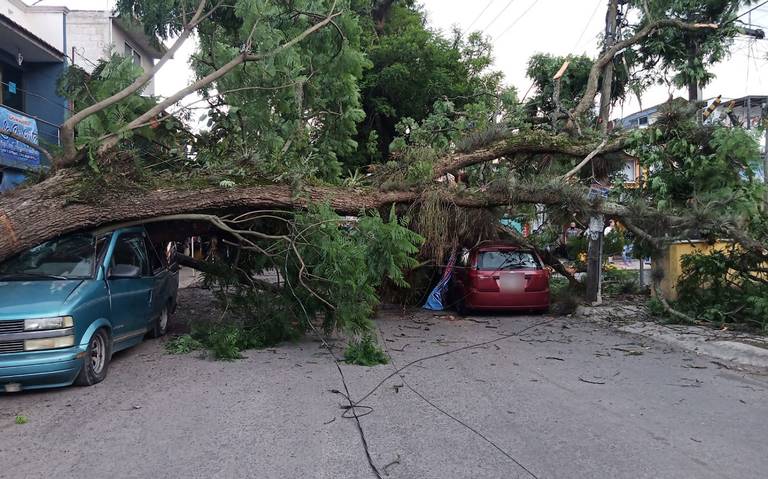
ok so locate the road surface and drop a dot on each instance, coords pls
(564, 399)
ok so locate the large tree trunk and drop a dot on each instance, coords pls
(31, 215)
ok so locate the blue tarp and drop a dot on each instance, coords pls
(436, 300)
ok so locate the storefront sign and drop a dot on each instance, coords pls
(13, 152)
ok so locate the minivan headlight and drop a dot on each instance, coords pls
(58, 322)
(49, 343)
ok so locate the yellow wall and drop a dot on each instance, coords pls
(671, 260)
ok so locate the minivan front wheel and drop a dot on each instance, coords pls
(96, 361)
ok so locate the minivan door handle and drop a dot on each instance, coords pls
(150, 296)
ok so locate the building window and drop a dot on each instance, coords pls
(10, 94)
(132, 53)
(643, 121)
(631, 171)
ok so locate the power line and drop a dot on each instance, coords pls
(446, 413)
(352, 406)
(586, 27)
(499, 14)
(748, 11)
(517, 20)
(480, 14)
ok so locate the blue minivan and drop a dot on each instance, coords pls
(68, 304)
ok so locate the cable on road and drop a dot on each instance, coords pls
(451, 416)
(446, 353)
(352, 406)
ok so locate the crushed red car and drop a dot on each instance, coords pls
(500, 276)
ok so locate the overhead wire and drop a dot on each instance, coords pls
(747, 12)
(480, 14)
(499, 15)
(504, 32)
(586, 26)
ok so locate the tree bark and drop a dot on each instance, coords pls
(587, 101)
(534, 142)
(31, 215)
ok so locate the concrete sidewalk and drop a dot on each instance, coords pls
(743, 349)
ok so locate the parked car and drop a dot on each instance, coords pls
(68, 304)
(500, 276)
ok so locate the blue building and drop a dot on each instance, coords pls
(37, 43)
(32, 58)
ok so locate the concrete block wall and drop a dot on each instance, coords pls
(88, 32)
(94, 37)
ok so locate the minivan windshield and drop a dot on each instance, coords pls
(68, 257)
(502, 260)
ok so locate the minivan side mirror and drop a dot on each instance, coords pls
(119, 271)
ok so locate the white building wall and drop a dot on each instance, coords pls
(45, 22)
(88, 34)
(119, 40)
(93, 36)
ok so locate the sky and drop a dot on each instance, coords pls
(521, 28)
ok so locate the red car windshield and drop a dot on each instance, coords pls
(505, 260)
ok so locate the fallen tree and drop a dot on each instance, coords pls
(259, 74)
(31, 215)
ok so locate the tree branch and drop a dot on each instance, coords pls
(67, 128)
(586, 160)
(112, 141)
(607, 56)
(523, 142)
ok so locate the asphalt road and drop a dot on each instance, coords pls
(564, 399)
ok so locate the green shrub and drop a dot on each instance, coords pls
(20, 419)
(617, 281)
(365, 352)
(183, 344)
(656, 308)
(724, 287)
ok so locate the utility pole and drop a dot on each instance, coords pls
(765, 173)
(765, 158)
(597, 222)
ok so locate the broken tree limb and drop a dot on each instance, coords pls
(607, 56)
(586, 160)
(67, 129)
(531, 142)
(244, 57)
(667, 307)
(31, 215)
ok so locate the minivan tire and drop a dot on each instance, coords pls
(160, 326)
(96, 361)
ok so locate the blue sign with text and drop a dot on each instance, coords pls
(13, 152)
